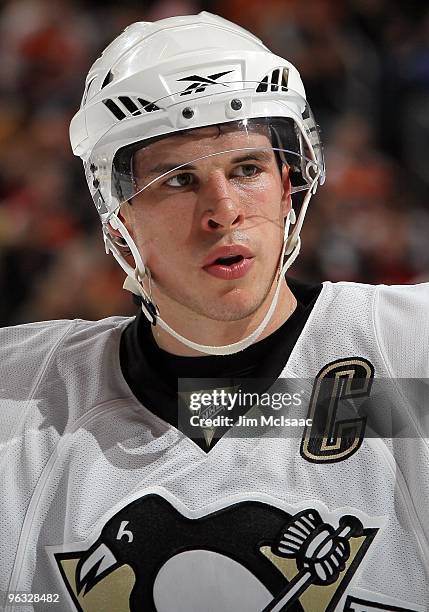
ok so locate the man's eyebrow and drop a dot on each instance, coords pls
(264, 155)
(163, 168)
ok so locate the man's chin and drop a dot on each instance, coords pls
(235, 304)
(229, 310)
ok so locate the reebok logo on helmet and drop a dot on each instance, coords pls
(200, 83)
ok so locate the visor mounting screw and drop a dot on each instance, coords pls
(187, 113)
(236, 104)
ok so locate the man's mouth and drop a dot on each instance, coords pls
(229, 262)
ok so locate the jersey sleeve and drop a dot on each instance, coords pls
(401, 319)
(25, 352)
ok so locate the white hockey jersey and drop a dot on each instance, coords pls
(104, 507)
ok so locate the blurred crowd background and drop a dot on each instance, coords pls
(365, 64)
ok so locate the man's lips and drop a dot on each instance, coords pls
(227, 251)
(229, 262)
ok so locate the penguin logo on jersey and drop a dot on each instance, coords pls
(249, 556)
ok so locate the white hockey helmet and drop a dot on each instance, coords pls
(158, 79)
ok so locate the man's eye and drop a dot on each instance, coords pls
(180, 180)
(246, 170)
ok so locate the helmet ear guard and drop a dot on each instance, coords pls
(129, 104)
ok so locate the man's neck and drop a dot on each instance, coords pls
(219, 333)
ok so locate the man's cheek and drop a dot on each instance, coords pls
(147, 250)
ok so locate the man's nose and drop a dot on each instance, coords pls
(222, 205)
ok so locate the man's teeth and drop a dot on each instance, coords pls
(228, 261)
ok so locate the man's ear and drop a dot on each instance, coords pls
(286, 201)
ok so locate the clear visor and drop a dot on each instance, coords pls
(241, 150)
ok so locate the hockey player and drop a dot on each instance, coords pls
(194, 138)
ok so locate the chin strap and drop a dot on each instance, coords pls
(134, 280)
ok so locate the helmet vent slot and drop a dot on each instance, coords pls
(149, 107)
(130, 105)
(114, 109)
(263, 85)
(127, 107)
(107, 79)
(276, 80)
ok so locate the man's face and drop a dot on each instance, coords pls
(210, 232)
